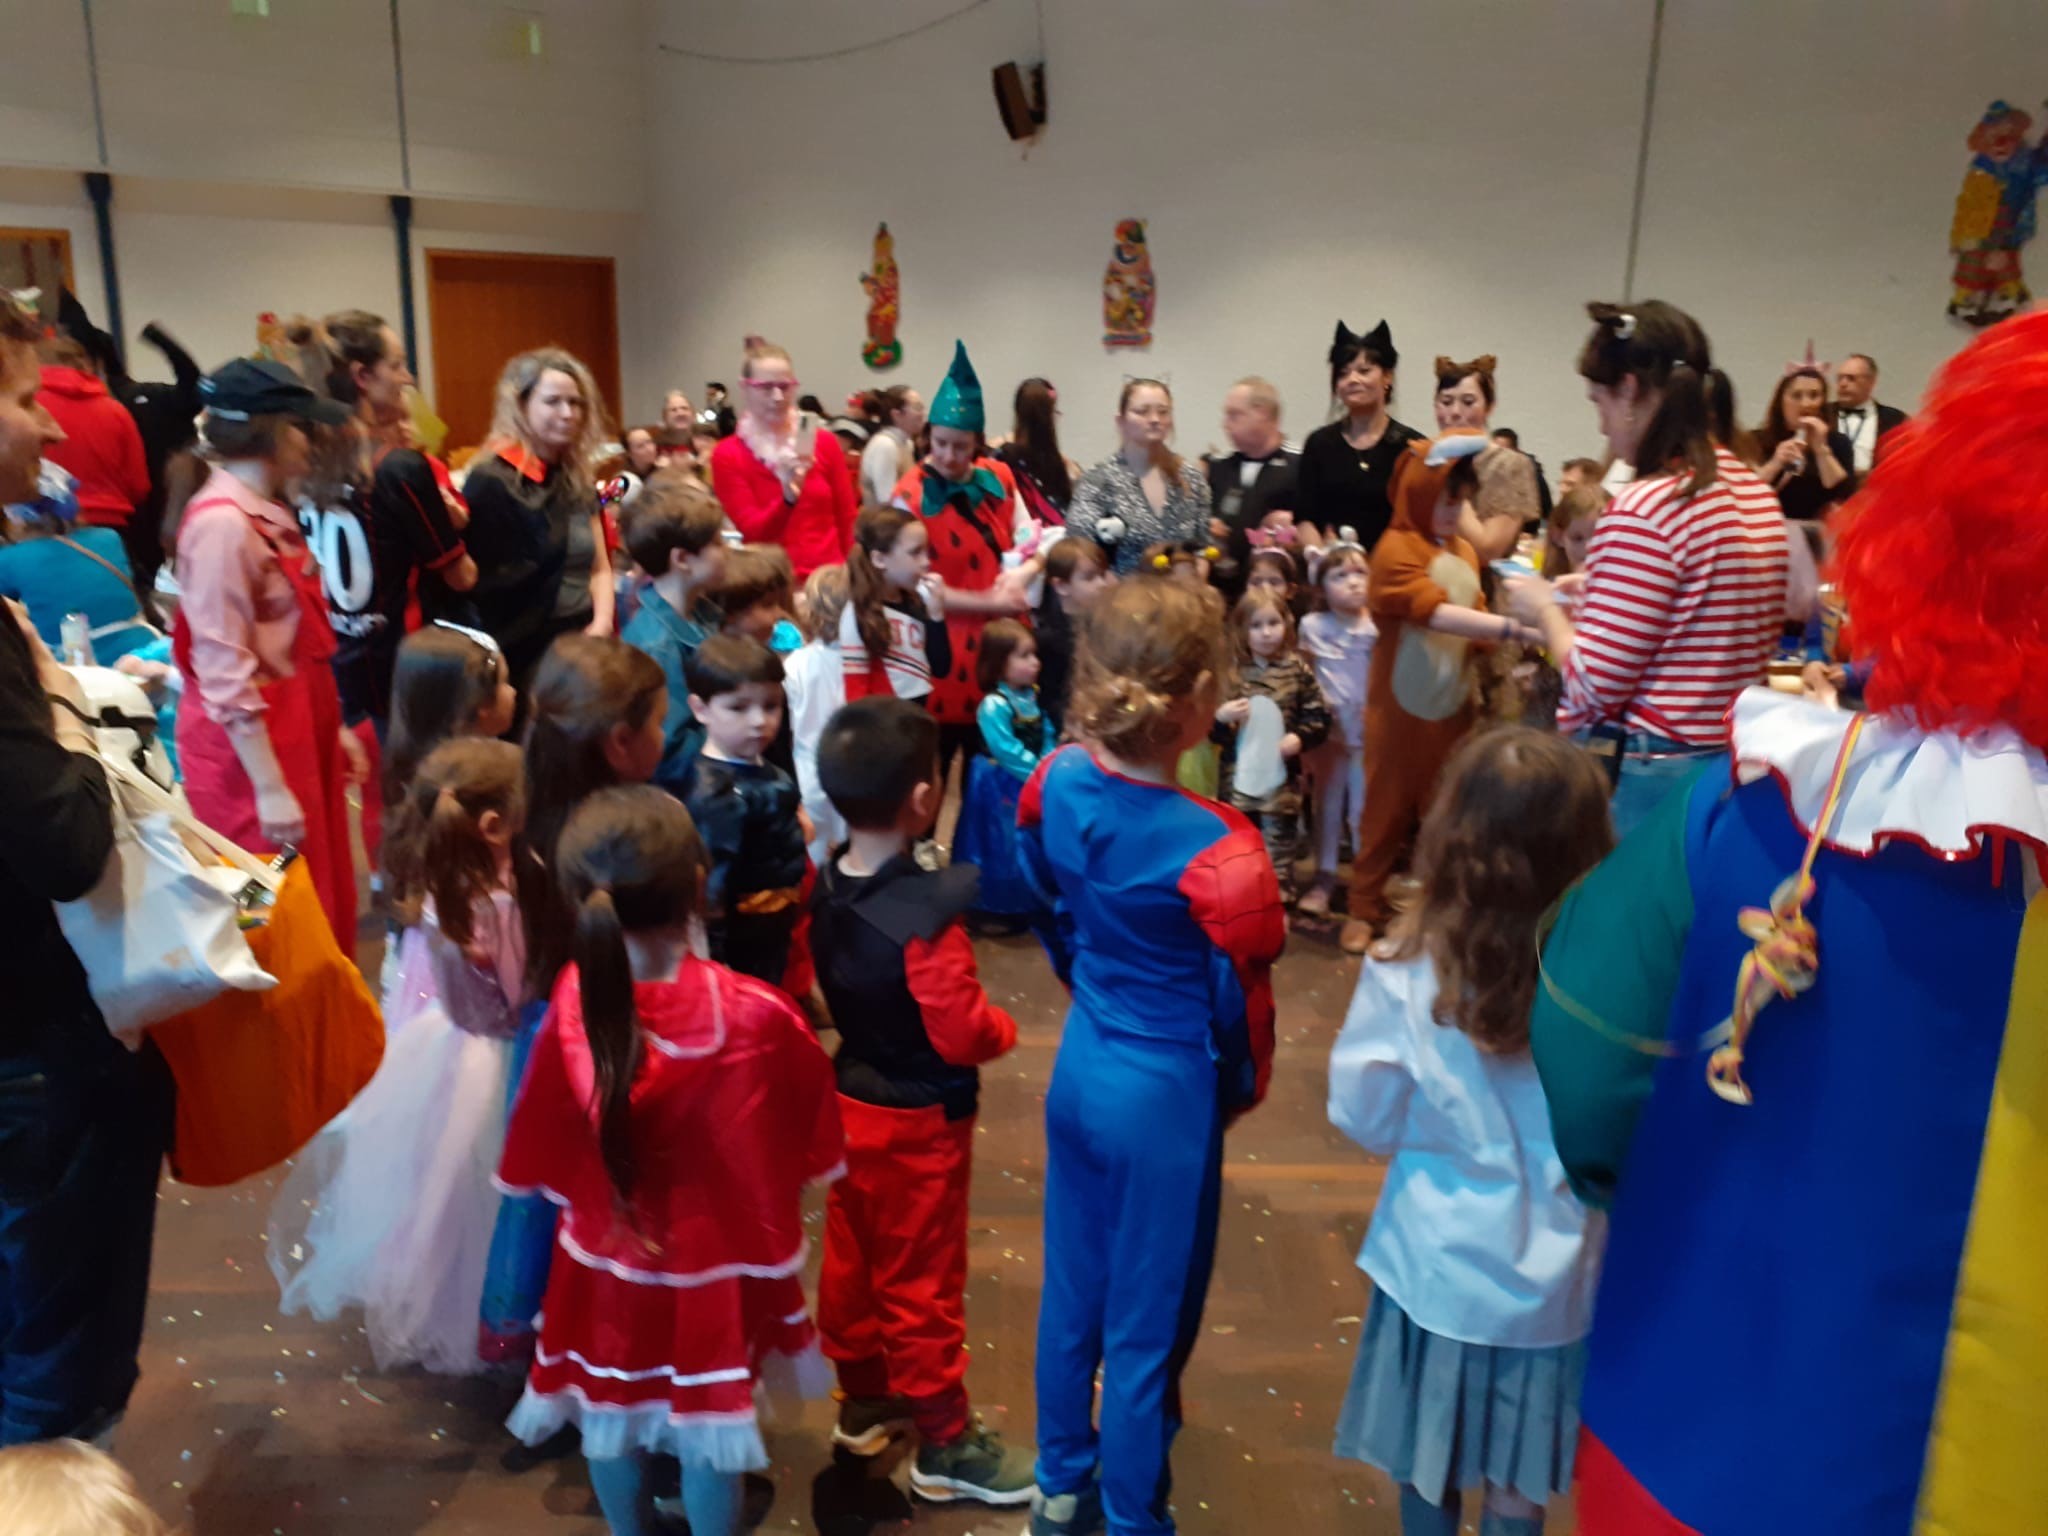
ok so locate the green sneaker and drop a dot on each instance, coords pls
(867, 1424)
(1067, 1514)
(976, 1466)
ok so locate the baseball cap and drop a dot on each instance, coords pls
(247, 387)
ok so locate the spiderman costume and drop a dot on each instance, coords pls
(1168, 921)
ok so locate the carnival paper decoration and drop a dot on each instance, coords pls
(1995, 216)
(884, 293)
(1129, 293)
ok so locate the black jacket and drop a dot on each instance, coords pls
(56, 830)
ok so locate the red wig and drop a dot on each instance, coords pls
(1943, 559)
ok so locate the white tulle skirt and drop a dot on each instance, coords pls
(391, 1208)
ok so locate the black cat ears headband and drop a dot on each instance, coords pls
(1379, 341)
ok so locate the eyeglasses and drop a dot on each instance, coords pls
(773, 386)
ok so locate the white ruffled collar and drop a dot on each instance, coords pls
(1942, 792)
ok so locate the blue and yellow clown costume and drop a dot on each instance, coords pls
(1794, 1033)
(1994, 217)
(1168, 922)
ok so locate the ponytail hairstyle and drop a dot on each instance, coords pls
(1145, 649)
(1169, 461)
(1520, 814)
(630, 861)
(353, 336)
(585, 685)
(444, 679)
(1663, 348)
(435, 847)
(875, 532)
(1721, 421)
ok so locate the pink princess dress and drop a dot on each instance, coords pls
(391, 1208)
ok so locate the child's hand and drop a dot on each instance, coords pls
(1236, 712)
(933, 591)
(1290, 747)
(810, 827)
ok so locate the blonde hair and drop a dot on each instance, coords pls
(1144, 649)
(824, 602)
(516, 385)
(759, 351)
(69, 1488)
(1260, 392)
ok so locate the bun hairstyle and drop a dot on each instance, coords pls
(875, 532)
(585, 685)
(760, 351)
(1449, 372)
(1146, 647)
(1663, 348)
(435, 848)
(630, 861)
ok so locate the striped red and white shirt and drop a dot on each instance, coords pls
(1684, 603)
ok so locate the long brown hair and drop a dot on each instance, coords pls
(1035, 440)
(434, 847)
(630, 861)
(1661, 347)
(515, 387)
(443, 679)
(583, 687)
(1519, 816)
(1143, 651)
(1776, 428)
(875, 532)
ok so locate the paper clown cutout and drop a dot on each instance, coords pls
(1129, 293)
(883, 350)
(1995, 216)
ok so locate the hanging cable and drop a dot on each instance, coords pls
(830, 53)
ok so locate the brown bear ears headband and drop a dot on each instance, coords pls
(1378, 342)
(1450, 368)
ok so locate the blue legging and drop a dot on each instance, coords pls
(1132, 1188)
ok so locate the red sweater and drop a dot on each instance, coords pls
(816, 529)
(102, 446)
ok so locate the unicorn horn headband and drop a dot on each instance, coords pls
(1825, 370)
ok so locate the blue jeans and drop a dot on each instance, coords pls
(83, 1128)
(1652, 769)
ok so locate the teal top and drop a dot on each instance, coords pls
(1012, 728)
(50, 579)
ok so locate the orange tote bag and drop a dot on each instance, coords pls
(259, 1073)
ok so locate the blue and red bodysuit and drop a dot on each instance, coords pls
(1168, 923)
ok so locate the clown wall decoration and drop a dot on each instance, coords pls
(1129, 293)
(1995, 216)
(884, 293)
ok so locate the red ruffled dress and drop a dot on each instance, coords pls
(659, 1321)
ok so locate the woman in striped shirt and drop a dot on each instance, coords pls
(1685, 588)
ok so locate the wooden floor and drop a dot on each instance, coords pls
(249, 1424)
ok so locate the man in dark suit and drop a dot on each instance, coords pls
(1858, 416)
(1258, 476)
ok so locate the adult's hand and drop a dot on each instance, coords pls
(355, 760)
(279, 815)
(1013, 589)
(1527, 598)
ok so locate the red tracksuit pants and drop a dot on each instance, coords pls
(890, 1312)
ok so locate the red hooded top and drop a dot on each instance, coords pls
(102, 446)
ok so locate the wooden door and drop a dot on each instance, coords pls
(483, 307)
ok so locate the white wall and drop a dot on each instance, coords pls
(253, 158)
(1464, 169)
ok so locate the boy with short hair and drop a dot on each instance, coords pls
(748, 813)
(756, 592)
(897, 968)
(672, 532)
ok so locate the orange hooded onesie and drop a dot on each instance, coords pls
(1418, 695)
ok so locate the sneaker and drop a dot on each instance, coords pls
(1067, 1514)
(867, 1424)
(976, 1466)
(1315, 902)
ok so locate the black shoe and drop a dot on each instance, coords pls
(867, 1424)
